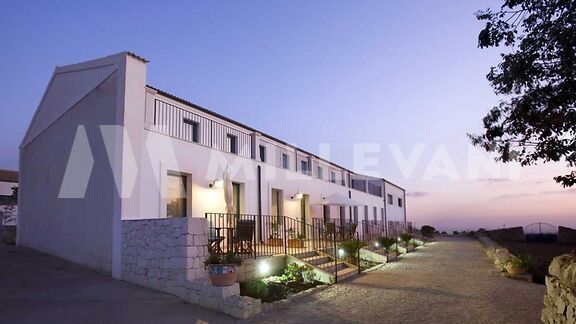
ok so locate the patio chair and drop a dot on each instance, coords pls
(349, 230)
(329, 231)
(244, 236)
(214, 240)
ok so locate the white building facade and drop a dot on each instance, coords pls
(104, 147)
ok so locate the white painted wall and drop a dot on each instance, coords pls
(6, 188)
(395, 212)
(90, 94)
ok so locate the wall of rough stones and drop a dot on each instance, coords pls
(164, 254)
(495, 252)
(168, 255)
(566, 235)
(560, 298)
(512, 234)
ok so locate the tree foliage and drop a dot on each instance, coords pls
(427, 230)
(536, 122)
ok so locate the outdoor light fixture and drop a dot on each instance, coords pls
(376, 244)
(297, 195)
(216, 183)
(264, 267)
(341, 252)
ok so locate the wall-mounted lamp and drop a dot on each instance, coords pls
(216, 183)
(297, 195)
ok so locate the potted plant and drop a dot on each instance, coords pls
(295, 240)
(387, 243)
(274, 238)
(517, 265)
(222, 269)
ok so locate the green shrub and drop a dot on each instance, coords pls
(351, 248)
(295, 272)
(256, 289)
(386, 242)
(276, 291)
(523, 261)
(228, 258)
(406, 238)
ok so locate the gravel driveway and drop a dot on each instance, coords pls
(450, 281)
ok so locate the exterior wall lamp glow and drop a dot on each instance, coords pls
(216, 183)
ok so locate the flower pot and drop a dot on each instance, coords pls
(222, 275)
(514, 270)
(295, 243)
(275, 242)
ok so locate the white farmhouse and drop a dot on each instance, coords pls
(104, 148)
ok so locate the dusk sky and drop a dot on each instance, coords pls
(405, 78)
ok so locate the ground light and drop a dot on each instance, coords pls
(341, 252)
(264, 267)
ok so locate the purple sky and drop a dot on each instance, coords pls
(406, 75)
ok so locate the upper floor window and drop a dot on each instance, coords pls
(400, 202)
(232, 143)
(285, 161)
(390, 199)
(304, 167)
(195, 129)
(332, 176)
(320, 173)
(262, 149)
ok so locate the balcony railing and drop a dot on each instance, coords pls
(253, 236)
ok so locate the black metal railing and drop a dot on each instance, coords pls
(370, 231)
(252, 236)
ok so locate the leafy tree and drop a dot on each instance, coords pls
(427, 230)
(536, 120)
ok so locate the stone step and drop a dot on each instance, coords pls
(305, 255)
(318, 259)
(330, 266)
(347, 273)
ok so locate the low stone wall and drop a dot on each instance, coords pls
(566, 235)
(168, 255)
(495, 252)
(560, 298)
(372, 256)
(262, 267)
(512, 234)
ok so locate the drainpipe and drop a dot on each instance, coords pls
(260, 204)
(386, 210)
(404, 198)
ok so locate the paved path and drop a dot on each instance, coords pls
(38, 288)
(448, 282)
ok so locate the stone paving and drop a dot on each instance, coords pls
(450, 281)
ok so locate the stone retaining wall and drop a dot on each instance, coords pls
(495, 252)
(566, 235)
(560, 298)
(168, 255)
(512, 234)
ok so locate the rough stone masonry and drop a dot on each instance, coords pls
(168, 255)
(560, 298)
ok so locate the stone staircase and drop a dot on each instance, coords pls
(325, 262)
